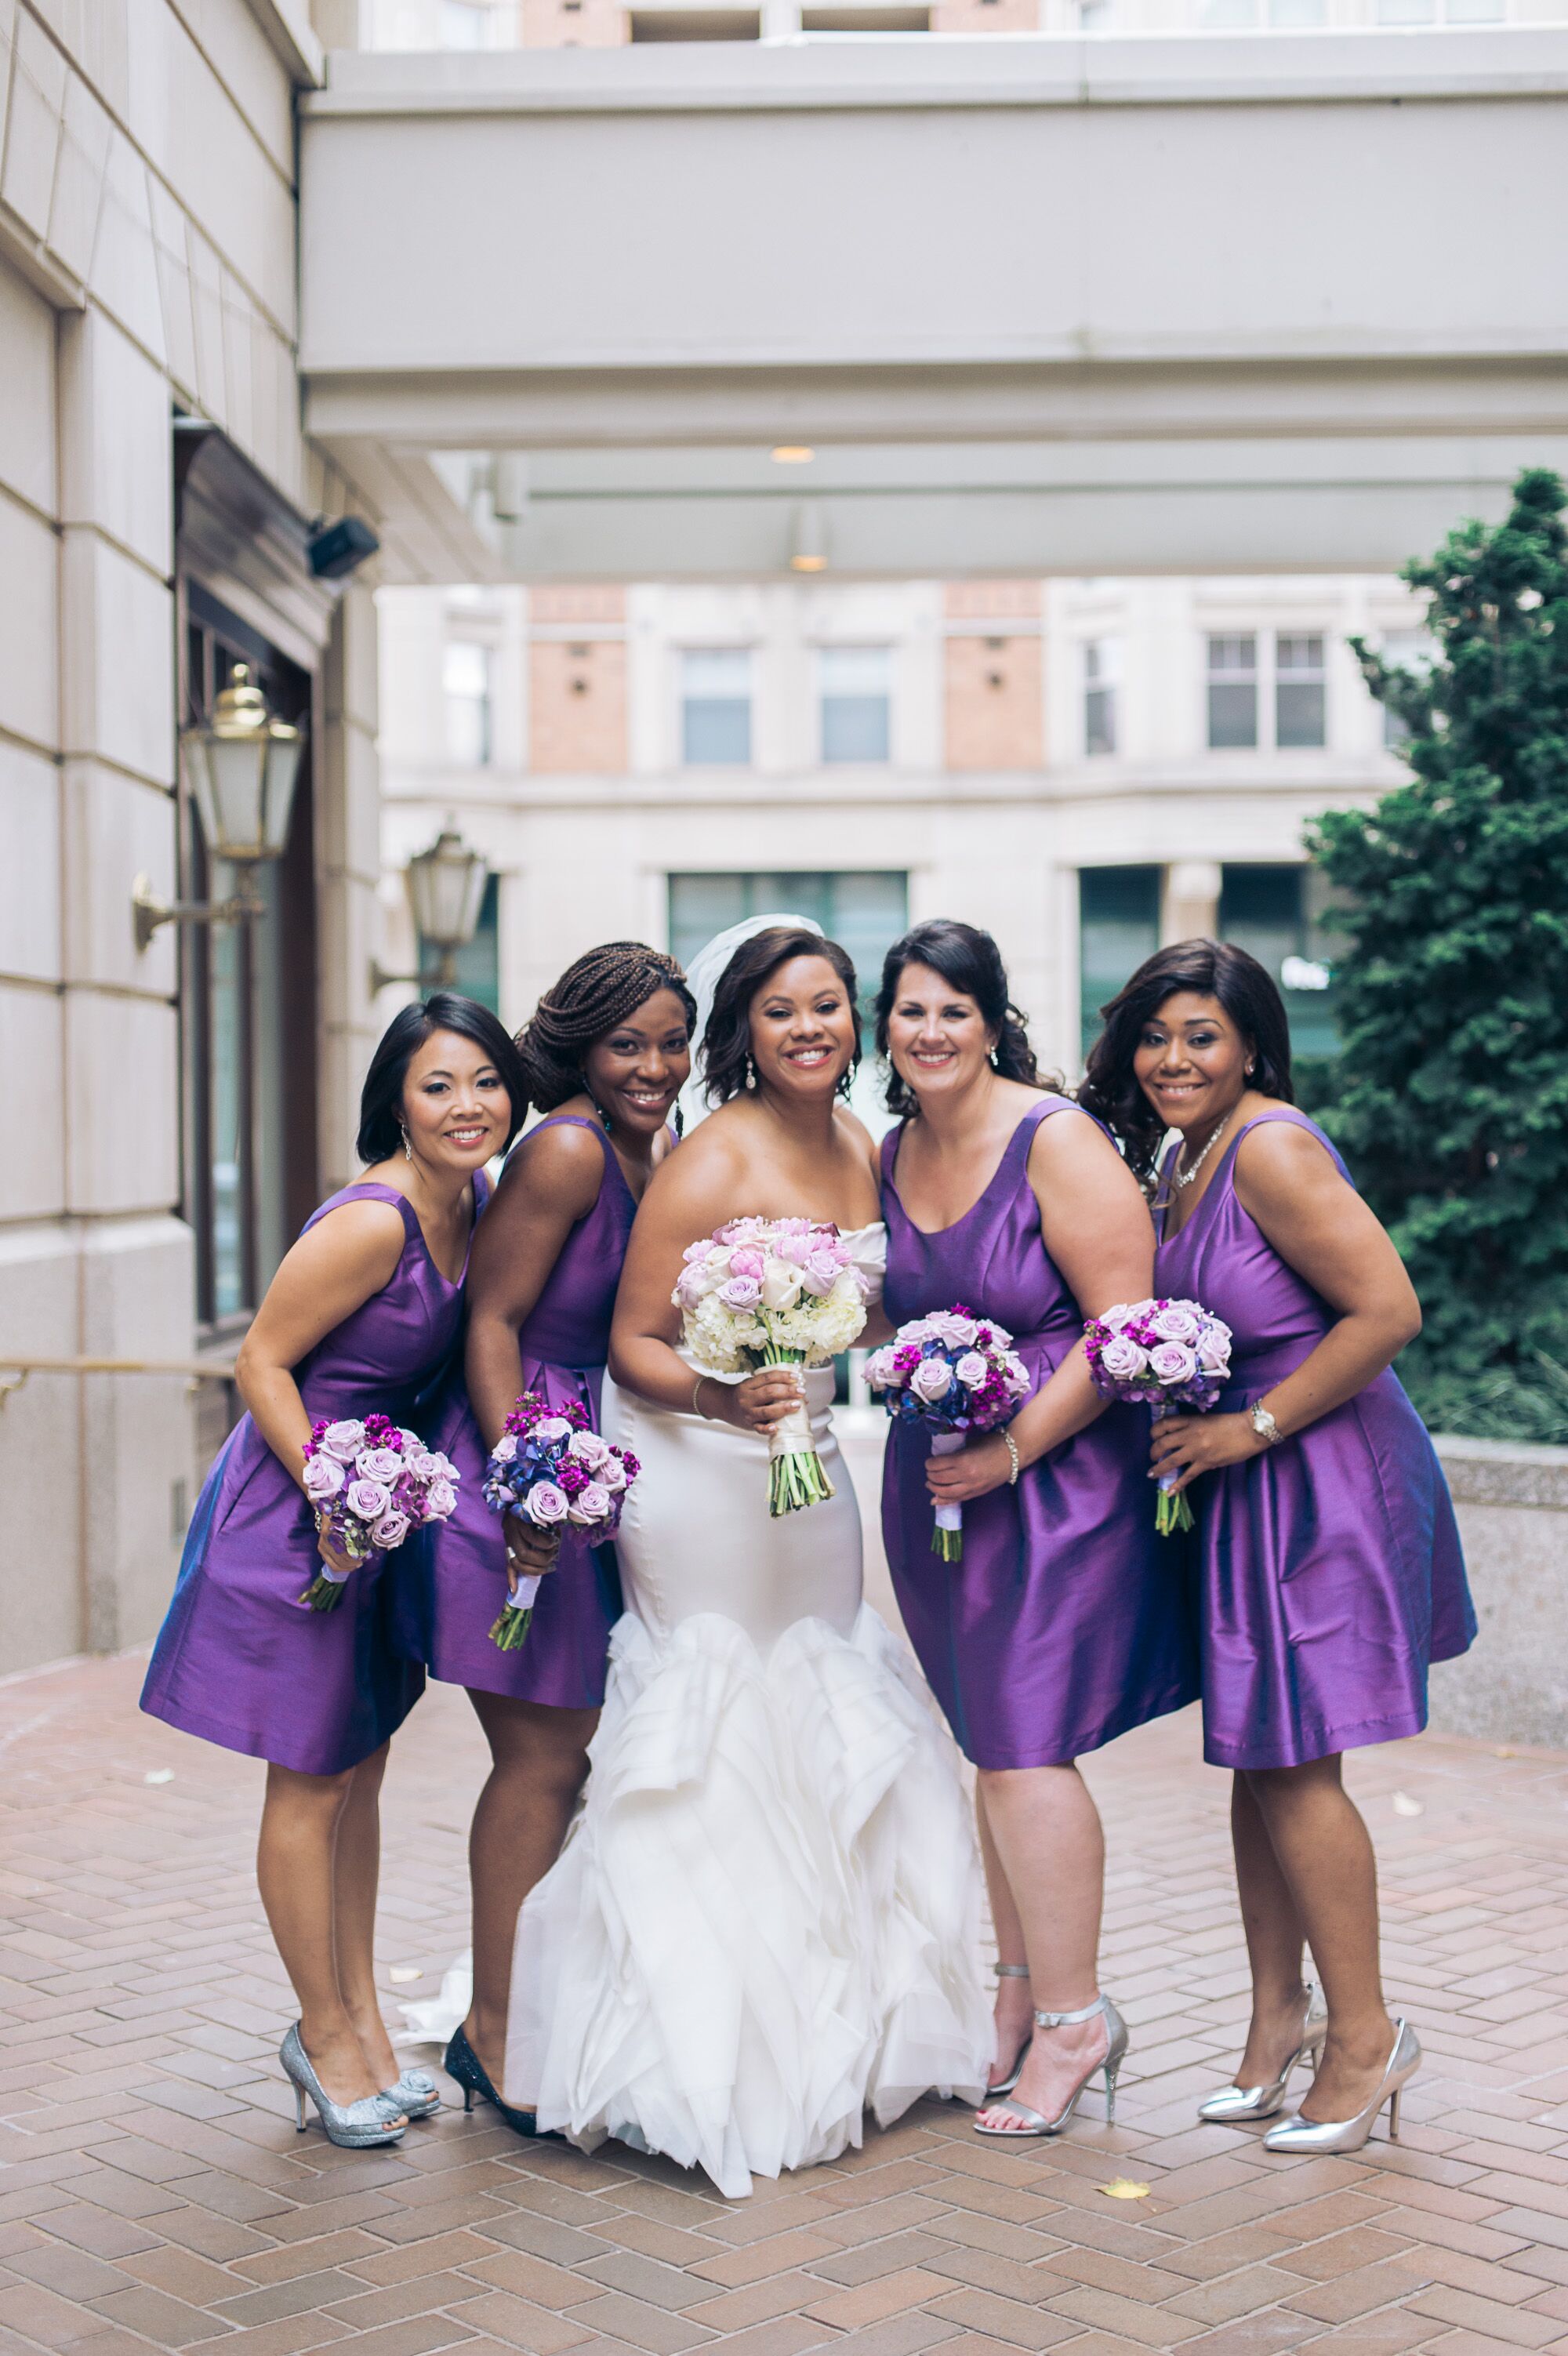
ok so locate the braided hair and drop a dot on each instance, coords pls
(600, 991)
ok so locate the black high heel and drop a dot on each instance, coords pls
(461, 2062)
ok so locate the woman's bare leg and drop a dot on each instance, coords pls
(357, 1880)
(1046, 1832)
(295, 1871)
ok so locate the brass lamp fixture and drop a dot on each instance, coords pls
(242, 766)
(446, 888)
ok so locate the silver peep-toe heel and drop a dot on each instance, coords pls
(1033, 2122)
(1349, 2135)
(363, 2126)
(414, 2096)
(1006, 2085)
(1233, 2105)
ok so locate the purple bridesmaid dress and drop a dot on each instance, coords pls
(238, 1659)
(1330, 1571)
(1068, 1619)
(451, 1581)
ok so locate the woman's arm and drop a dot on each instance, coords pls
(1096, 1226)
(695, 1191)
(551, 1181)
(1320, 1226)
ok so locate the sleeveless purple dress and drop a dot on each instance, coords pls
(1069, 1618)
(238, 1659)
(1330, 1573)
(451, 1579)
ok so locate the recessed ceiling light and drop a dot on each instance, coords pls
(793, 454)
(807, 564)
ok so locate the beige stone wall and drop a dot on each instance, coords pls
(571, 24)
(576, 704)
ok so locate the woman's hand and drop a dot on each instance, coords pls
(530, 1551)
(337, 1561)
(756, 1405)
(1187, 1445)
(971, 1472)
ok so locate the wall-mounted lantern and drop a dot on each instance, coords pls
(446, 893)
(242, 766)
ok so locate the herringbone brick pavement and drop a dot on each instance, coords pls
(154, 2193)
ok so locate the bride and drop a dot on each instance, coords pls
(763, 1921)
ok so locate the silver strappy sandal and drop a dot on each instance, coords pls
(1033, 2122)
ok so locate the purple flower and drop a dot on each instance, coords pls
(588, 1449)
(390, 1529)
(931, 1380)
(972, 1370)
(505, 1449)
(613, 1474)
(591, 1504)
(344, 1440)
(746, 1260)
(440, 1501)
(367, 1500)
(1122, 1361)
(382, 1464)
(324, 1476)
(551, 1426)
(1171, 1363)
(741, 1292)
(1177, 1322)
(545, 1504)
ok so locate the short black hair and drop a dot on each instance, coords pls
(380, 1099)
(970, 961)
(726, 1040)
(1219, 969)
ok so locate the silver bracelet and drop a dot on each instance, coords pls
(697, 1407)
(1010, 1445)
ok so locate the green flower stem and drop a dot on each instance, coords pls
(948, 1545)
(512, 1626)
(1172, 1513)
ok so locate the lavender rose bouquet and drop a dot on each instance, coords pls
(371, 1482)
(1163, 1354)
(552, 1468)
(958, 1373)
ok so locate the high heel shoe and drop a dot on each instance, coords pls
(1006, 2085)
(1349, 2135)
(361, 2125)
(1233, 2104)
(461, 2062)
(414, 2096)
(1034, 2122)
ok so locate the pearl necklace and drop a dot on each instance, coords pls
(1186, 1177)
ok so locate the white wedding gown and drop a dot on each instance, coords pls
(764, 1921)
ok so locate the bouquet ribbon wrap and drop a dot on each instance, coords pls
(797, 1475)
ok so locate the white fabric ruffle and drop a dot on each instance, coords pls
(765, 1918)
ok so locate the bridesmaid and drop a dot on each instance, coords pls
(1067, 1622)
(604, 1056)
(1330, 1563)
(359, 1319)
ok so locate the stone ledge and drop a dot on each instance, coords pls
(1504, 1472)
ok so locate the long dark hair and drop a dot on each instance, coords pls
(727, 1042)
(603, 988)
(380, 1099)
(970, 961)
(1210, 970)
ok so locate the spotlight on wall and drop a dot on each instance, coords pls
(242, 766)
(791, 454)
(446, 886)
(336, 550)
(808, 539)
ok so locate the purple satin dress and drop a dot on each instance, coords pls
(1069, 1618)
(452, 1582)
(1330, 1570)
(238, 1659)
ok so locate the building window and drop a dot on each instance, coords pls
(715, 706)
(866, 911)
(1403, 650)
(854, 684)
(1279, 915)
(465, 682)
(1101, 680)
(476, 966)
(1233, 691)
(1298, 690)
(1118, 928)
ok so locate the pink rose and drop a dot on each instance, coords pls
(880, 1368)
(1122, 1361)
(1173, 1363)
(743, 1292)
(588, 1449)
(382, 1464)
(931, 1380)
(820, 1271)
(546, 1505)
(794, 1250)
(1019, 1381)
(344, 1440)
(505, 1449)
(390, 1529)
(591, 1504)
(612, 1475)
(972, 1370)
(1176, 1322)
(551, 1428)
(367, 1500)
(746, 1260)
(324, 1476)
(1214, 1348)
(440, 1501)
(953, 1329)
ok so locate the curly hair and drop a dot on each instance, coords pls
(604, 988)
(381, 1099)
(1210, 969)
(971, 962)
(727, 1042)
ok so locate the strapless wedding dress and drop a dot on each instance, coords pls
(765, 1918)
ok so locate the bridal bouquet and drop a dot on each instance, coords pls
(371, 1483)
(773, 1293)
(551, 1467)
(957, 1374)
(1163, 1354)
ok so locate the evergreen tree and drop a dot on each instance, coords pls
(1450, 1095)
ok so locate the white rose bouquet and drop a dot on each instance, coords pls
(773, 1293)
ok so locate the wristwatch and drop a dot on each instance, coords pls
(1263, 1424)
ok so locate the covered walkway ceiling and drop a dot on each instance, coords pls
(1035, 304)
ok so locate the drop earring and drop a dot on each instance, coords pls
(680, 1122)
(407, 1148)
(750, 1073)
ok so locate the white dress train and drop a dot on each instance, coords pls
(764, 1921)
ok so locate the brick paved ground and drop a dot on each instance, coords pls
(153, 2192)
